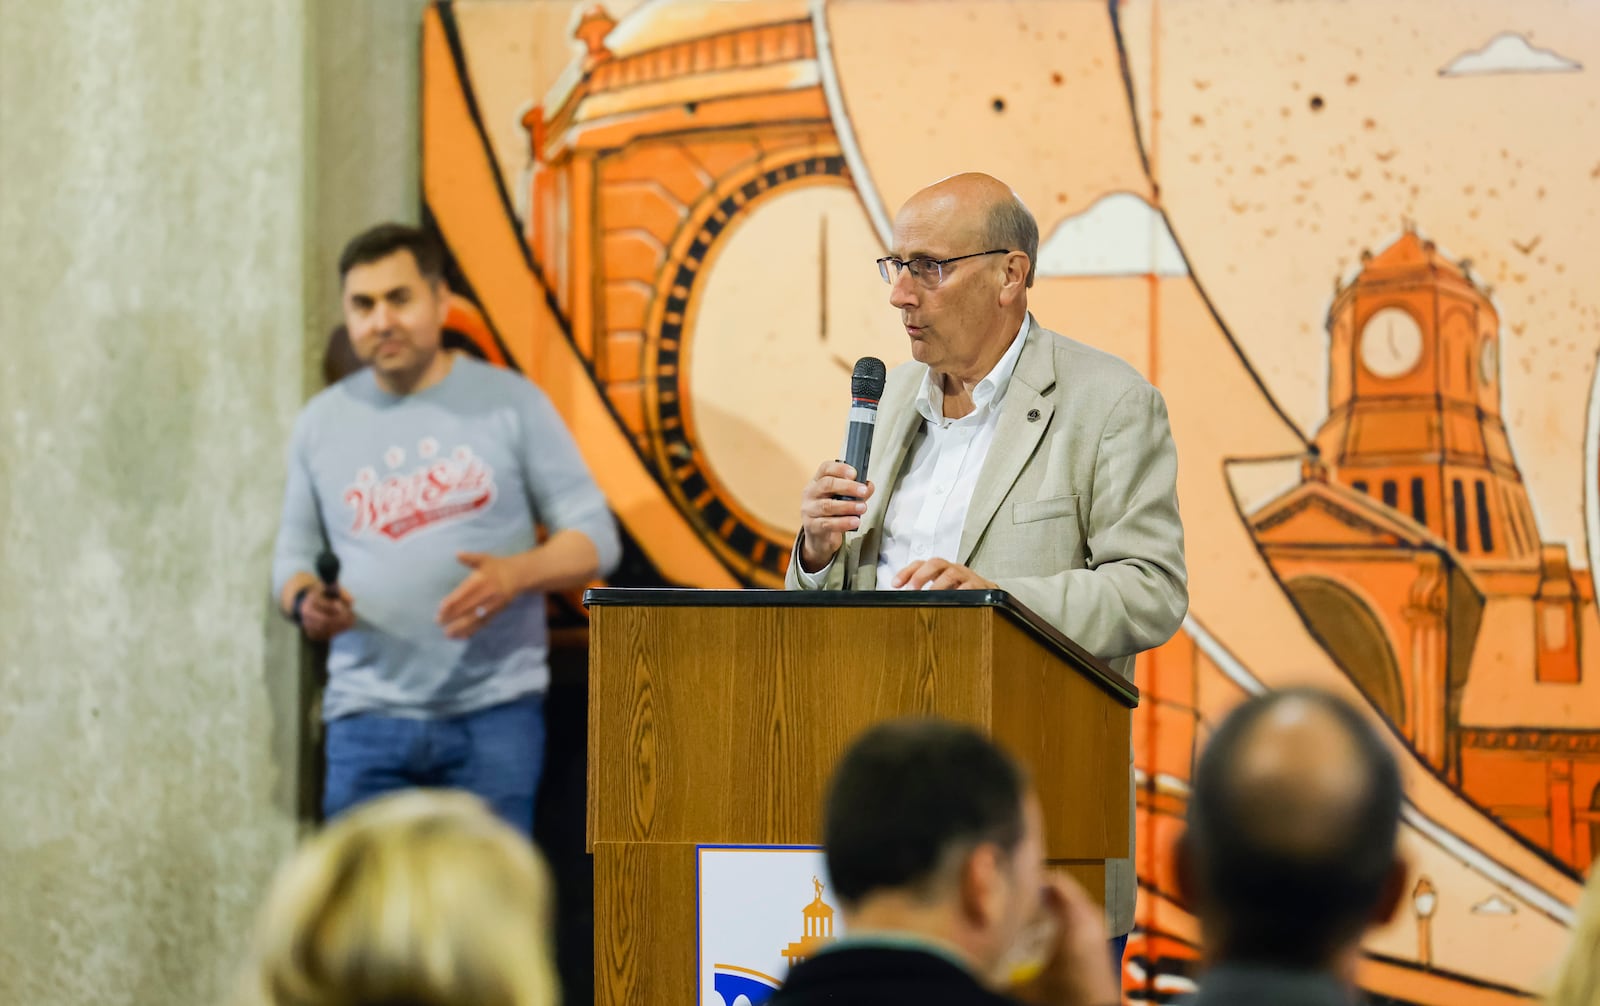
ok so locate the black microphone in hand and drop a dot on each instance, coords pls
(328, 573)
(866, 387)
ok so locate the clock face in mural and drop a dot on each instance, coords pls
(752, 359)
(1391, 343)
(774, 342)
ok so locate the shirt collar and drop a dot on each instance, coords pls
(885, 940)
(989, 391)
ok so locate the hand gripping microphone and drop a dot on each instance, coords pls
(866, 387)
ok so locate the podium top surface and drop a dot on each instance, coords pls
(1044, 633)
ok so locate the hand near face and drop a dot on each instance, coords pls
(1078, 972)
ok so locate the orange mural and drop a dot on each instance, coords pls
(1348, 241)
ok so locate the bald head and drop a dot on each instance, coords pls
(1292, 828)
(980, 210)
(971, 189)
(1298, 779)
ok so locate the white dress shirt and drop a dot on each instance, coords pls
(929, 504)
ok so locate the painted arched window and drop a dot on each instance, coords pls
(1355, 638)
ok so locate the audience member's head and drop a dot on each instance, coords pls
(1290, 852)
(935, 833)
(931, 827)
(418, 899)
(1578, 982)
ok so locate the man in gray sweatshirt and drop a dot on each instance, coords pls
(428, 474)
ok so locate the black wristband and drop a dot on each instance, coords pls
(298, 602)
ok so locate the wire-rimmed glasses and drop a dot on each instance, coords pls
(927, 271)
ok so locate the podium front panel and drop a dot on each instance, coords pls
(723, 724)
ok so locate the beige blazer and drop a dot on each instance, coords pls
(1075, 513)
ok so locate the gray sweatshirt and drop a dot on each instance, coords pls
(397, 486)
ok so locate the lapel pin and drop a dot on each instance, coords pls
(1033, 415)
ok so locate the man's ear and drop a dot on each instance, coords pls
(1393, 893)
(441, 292)
(982, 884)
(1016, 280)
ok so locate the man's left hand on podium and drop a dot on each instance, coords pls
(940, 574)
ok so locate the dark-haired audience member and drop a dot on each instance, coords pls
(1290, 853)
(426, 473)
(935, 846)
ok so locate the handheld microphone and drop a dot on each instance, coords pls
(328, 573)
(866, 387)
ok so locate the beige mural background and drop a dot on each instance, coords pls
(174, 183)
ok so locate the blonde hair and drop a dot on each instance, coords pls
(422, 898)
(1578, 982)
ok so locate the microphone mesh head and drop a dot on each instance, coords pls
(867, 379)
(328, 567)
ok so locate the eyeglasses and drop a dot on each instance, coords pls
(927, 271)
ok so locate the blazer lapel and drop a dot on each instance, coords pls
(1015, 437)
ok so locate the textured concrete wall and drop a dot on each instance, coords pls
(173, 180)
(363, 124)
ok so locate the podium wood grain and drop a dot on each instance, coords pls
(644, 911)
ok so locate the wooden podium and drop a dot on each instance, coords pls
(716, 716)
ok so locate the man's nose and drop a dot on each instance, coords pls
(382, 317)
(902, 292)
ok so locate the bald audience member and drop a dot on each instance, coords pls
(1290, 853)
(1008, 456)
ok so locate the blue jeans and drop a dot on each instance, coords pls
(495, 753)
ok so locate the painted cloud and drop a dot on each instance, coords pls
(1120, 235)
(1509, 52)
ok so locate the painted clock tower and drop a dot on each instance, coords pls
(1414, 404)
(1412, 550)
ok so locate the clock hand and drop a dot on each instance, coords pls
(822, 277)
(822, 293)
